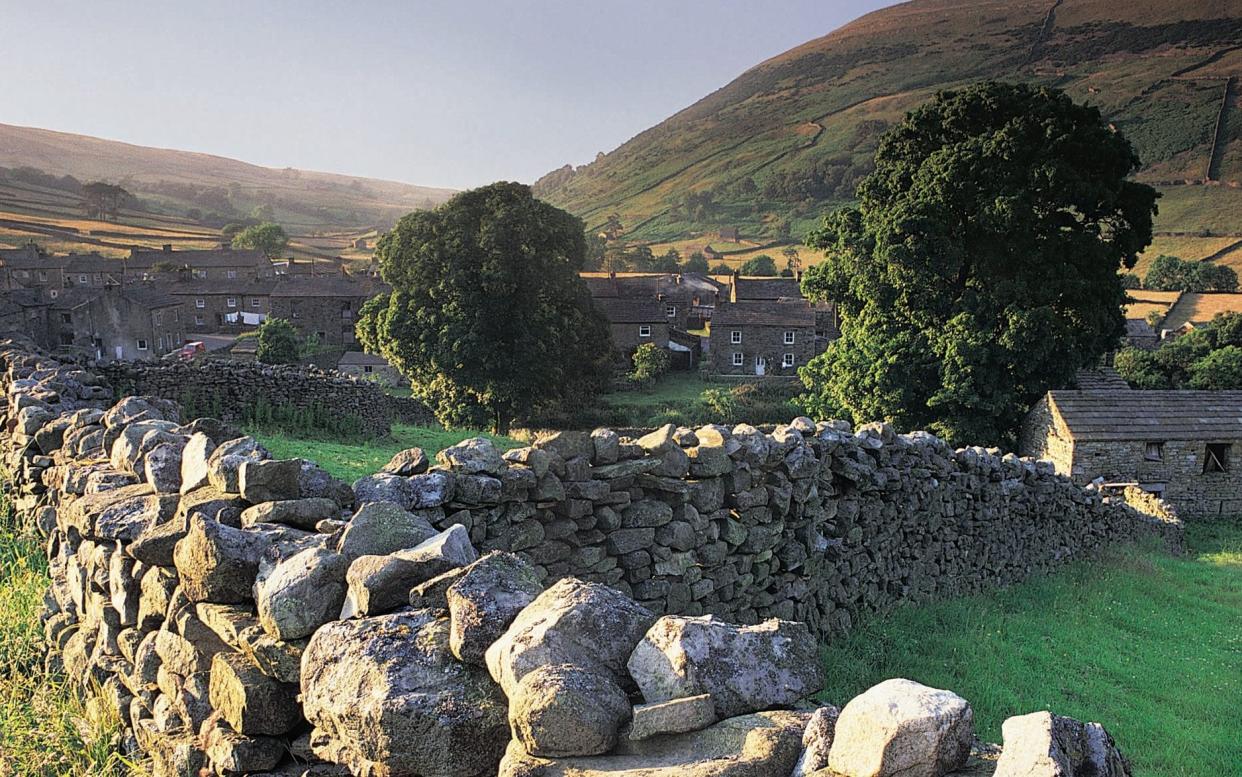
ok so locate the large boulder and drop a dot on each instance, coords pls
(379, 584)
(387, 691)
(561, 710)
(1045, 745)
(677, 716)
(298, 513)
(269, 480)
(194, 457)
(217, 563)
(380, 528)
(744, 668)
(584, 624)
(224, 463)
(484, 600)
(763, 745)
(119, 514)
(411, 461)
(900, 727)
(301, 593)
(252, 702)
(475, 456)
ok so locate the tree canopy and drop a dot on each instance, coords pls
(1169, 273)
(267, 237)
(104, 200)
(278, 342)
(487, 316)
(981, 265)
(758, 265)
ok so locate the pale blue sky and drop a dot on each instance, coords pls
(453, 94)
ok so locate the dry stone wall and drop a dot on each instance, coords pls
(231, 389)
(531, 614)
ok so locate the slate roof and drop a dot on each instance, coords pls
(749, 288)
(200, 258)
(25, 258)
(789, 312)
(1100, 379)
(648, 284)
(361, 359)
(1199, 308)
(326, 286)
(1154, 416)
(234, 287)
(631, 311)
(90, 263)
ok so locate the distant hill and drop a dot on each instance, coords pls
(212, 188)
(772, 150)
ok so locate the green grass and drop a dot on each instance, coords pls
(46, 730)
(1148, 644)
(678, 399)
(351, 460)
(672, 389)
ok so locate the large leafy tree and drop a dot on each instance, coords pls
(487, 316)
(1169, 273)
(278, 342)
(981, 265)
(269, 238)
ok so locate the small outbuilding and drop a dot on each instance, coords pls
(368, 366)
(1184, 446)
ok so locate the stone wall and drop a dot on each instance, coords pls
(257, 616)
(229, 388)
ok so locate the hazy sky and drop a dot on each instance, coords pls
(454, 93)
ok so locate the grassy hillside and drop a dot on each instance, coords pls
(792, 136)
(200, 188)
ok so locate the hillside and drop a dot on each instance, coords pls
(205, 187)
(790, 138)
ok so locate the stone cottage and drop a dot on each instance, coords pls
(323, 306)
(1185, 446)
(222, 264)
(135, 322)
(688, 298)
(224, 305)
(369, 366)
(762, 337)
(632, 322)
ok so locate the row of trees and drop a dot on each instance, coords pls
(978, 270)
(1209, 357)
(1169, 273)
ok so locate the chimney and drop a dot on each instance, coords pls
(678, 279)
(612, 275)
(168, 248)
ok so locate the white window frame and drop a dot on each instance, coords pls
(739, 359)
(142, 344)
(199, 321)
(231, 302)
(788, 360)
(789, 338)
(199, 274)
(670, 311)
(82, 279)
(735, 337)
(644, 330)
(255, 302)
(232, 274)
(200, 303)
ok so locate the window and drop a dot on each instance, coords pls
(200, 303)
(738, 359)
(789, 338)
(66, 338)
(142, 344)
(1154, 451)
(368, 369)
(199, 274)
(82, 279)
(644, 330)
(157, 318)
(232, 302)
(670, 310)
(735, 337)
(296, 314)
(255, 303)
(198, 320)
(43, 275)
(787, 360)
(160, 343)
(66, 318)
(1216, 457)
(232, 273)
(321, 336)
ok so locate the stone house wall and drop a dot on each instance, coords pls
(331, 318)
(625, 337)
(768, 341)
(210, 317)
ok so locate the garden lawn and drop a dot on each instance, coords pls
(1148, 644)
(353, 459)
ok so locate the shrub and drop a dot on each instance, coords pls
(651, 362)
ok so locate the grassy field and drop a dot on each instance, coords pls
(350, 461)
(45, 730)
(1147, 644)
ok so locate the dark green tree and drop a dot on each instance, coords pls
(1205, 357)
(278, 342)
(759, 265)
(722, 269)
(105, 200)
(651, 362)
(487, 314)
(981, 265)
(669, 261)
(696, 263)
(267, 237)
(1169, 273)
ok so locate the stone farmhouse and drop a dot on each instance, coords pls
(1184, 446)
(633, 322)
(369, 366)
(138, 321)
(323, 306)
(224, 306)
(763, 337)
(688, 298)
(217, 264)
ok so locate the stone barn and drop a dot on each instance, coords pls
(1185, 446)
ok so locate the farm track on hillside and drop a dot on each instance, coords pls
(1217, 149)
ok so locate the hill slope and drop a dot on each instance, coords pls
(791, 137)
(174, 183)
